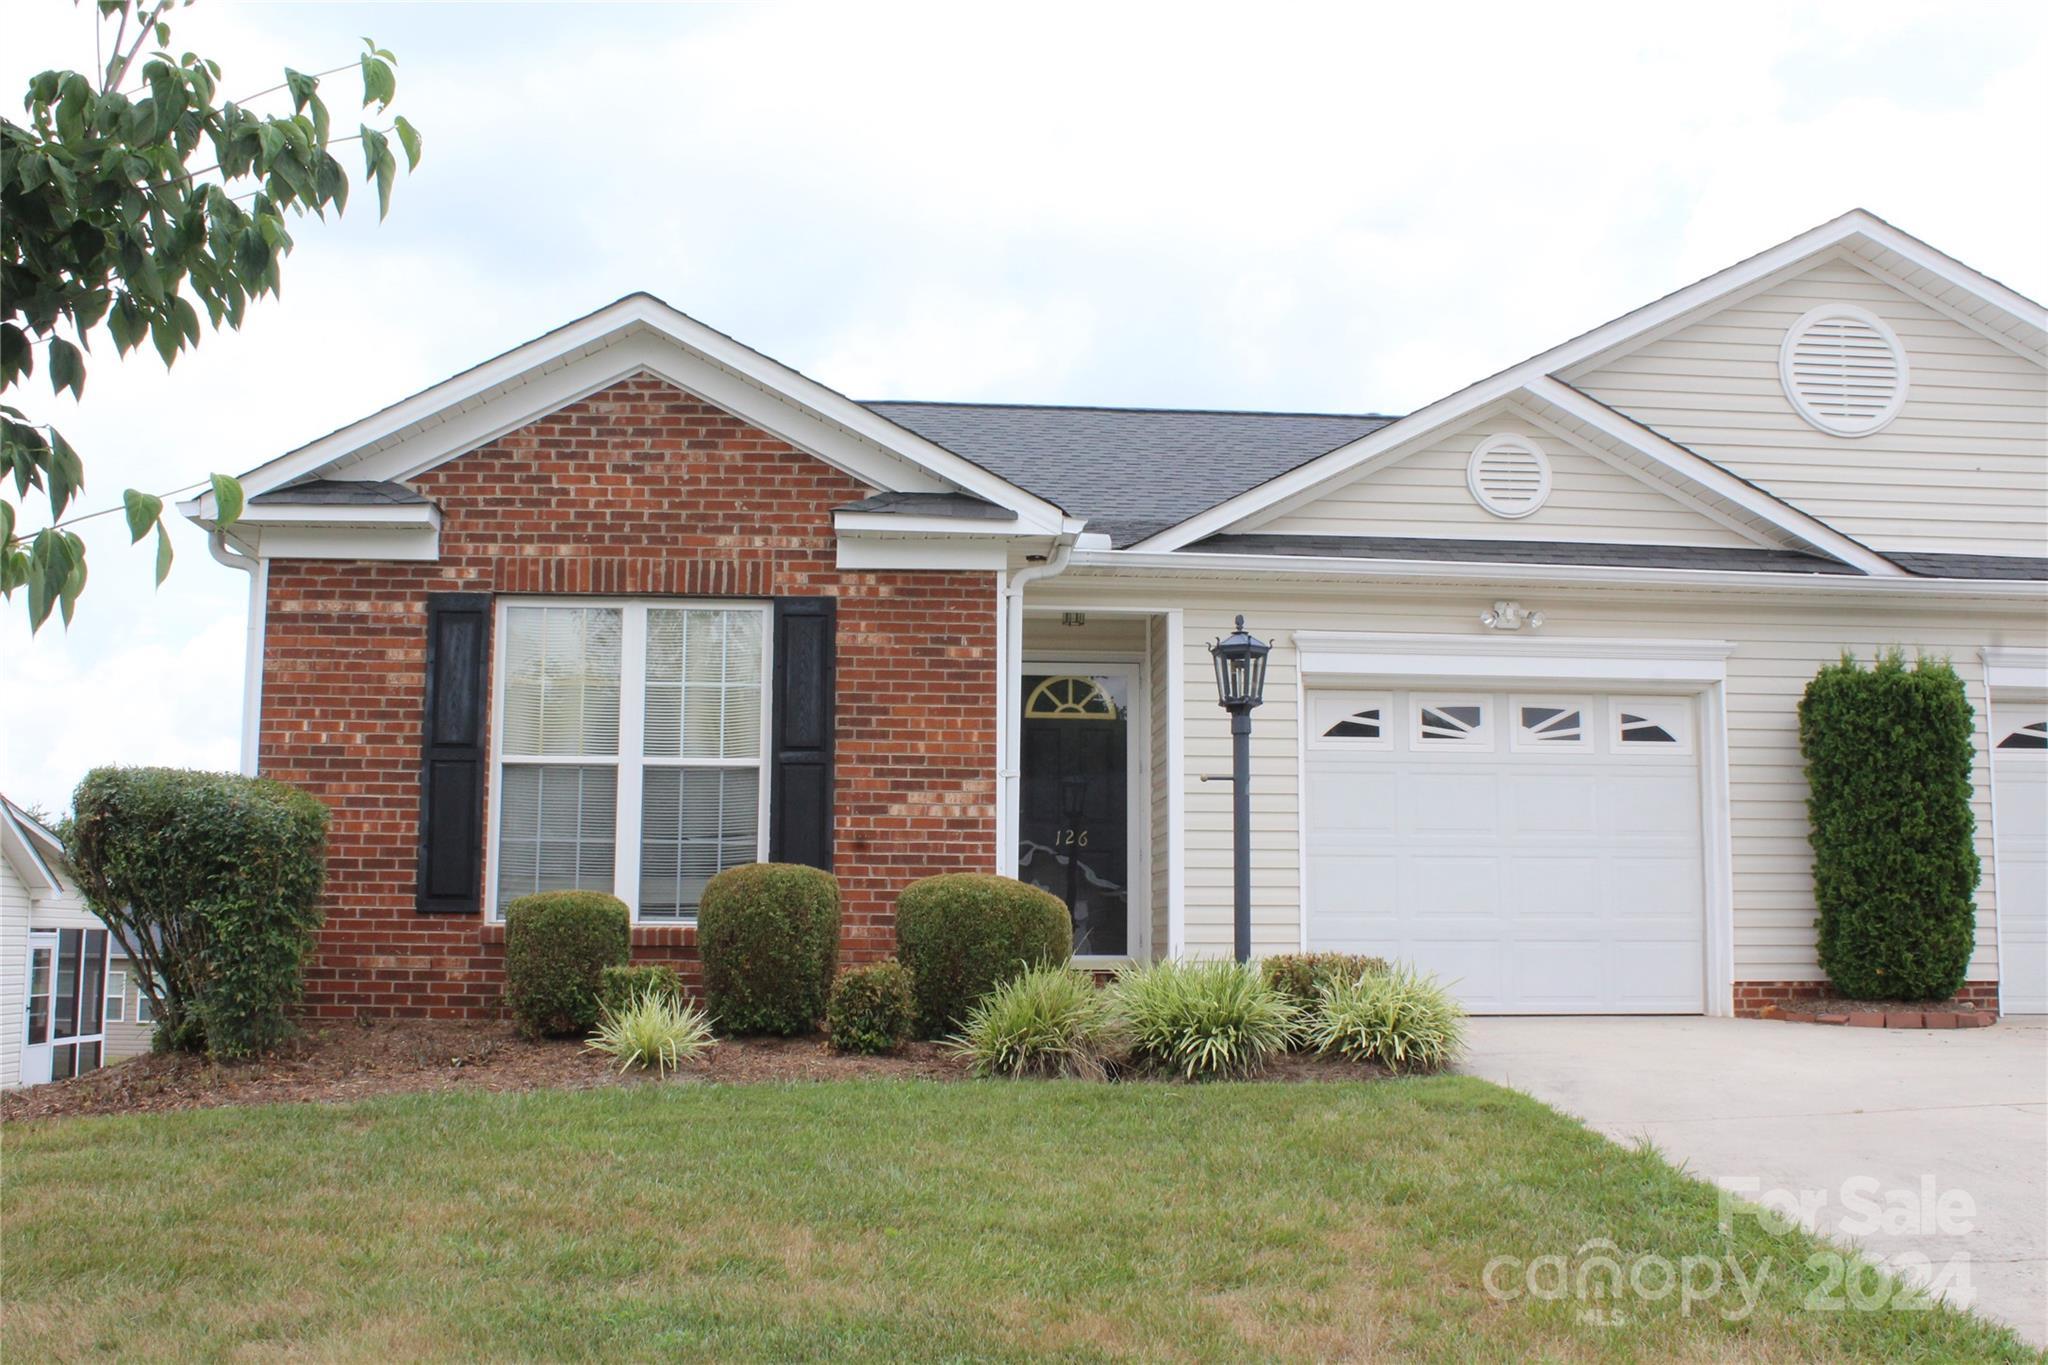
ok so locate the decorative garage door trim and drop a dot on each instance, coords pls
(2017, 679)
(1378, 662)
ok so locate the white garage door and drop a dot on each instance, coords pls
(1541, 851)
(2019, 771)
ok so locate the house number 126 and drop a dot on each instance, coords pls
(1078, 837)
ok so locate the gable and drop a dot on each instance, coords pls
(1427, 493)
(1960, 467)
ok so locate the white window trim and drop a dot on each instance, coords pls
(1687, 723)
(632, 735)
(1348, 705)
(1522, 743)
(1481, 738)
(117, 995)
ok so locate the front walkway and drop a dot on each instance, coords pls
(1764, 1106)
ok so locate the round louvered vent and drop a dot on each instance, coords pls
(1509, 475)
(1844, 370)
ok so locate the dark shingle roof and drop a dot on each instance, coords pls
(341, 493)
(1130, 471)
(962, 506)
(1968, 566)
(1722, 557)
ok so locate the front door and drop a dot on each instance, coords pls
(1074, 817)
(37, 1012)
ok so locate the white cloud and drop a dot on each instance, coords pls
(1332, 208)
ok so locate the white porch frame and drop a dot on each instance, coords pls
(1691, 668)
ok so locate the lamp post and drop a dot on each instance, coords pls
(1240, 660)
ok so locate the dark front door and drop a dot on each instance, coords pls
(1074, 818)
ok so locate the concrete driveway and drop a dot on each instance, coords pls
(1946, 1132)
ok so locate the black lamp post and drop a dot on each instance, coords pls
(1241, 685)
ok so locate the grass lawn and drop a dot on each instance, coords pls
(883, 1219)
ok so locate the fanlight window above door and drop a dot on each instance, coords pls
(1069, 697)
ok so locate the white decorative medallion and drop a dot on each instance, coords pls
(1509, 475)
(1844, 370)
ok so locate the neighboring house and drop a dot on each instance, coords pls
(66, 1000)
(632, 603)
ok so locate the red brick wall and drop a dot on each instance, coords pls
(1752, 996)
(639, 489)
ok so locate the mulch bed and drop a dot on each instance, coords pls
(342, 1062)
(1840, 1010)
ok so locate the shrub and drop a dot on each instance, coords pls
(653, 1029)
(1204, 1018)
(769, 933)
(557, 945)
(618, 987)
(965, 933)
(213, 882)
(1050, 1021)
(1300, 976)
(872, 1008)
(1895, 869)
(1401, 1019)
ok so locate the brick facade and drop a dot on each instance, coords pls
(640, 489)
(1752, 997)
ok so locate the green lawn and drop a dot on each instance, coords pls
(880, 1219)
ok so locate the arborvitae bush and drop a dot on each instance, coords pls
(1888, 752)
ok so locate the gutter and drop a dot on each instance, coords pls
(1009, 698)
(252, 650)
(1243, 569)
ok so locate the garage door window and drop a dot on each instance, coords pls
(1350, 720)
(1652, 726)
(1550, 724)
(1453, 722)
(2032, 735)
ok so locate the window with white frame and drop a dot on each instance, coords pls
(1652, 725)
(630, 749)
(1444, 722)
(117, 997)
(144, 1013)
(1550, 723)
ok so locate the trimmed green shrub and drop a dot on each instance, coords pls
(1204, 1018)
(653, 1029)
(769, 933)
(1300, 976)
(618, 987)
(872, 1009)
(965, 933)
(1401, 1019)
(557, 946)
(1050, 1021)
(1888, 752)
(213, 882)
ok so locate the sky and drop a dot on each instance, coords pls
(1344, 209)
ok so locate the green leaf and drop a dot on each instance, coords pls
(409, 137)
(66, 473)
(143, 510)
(6, 524)
(387, 171)
(301, 86)
(379, 82)
(163, 553)
(74, 582)
(165, 334)
(227, 501)
(67, 368)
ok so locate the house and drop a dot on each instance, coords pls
(631, 603)
(69, 1000)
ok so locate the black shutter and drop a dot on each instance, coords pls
(452, 756)
(800, 782)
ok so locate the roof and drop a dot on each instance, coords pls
(1725, 558)
(1131, 472)
(959, 506)
(341, 493)
(1931, 565)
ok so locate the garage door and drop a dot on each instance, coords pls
(2019, 774)
(1542, 852)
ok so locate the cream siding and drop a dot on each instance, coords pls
(1777, 649)
(1161, 841)
(127, 1038)
(1425, 494)
(1963, 467)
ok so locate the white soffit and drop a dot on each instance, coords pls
(1328, 655)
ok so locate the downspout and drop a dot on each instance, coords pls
(1009, 734)
(252, 650)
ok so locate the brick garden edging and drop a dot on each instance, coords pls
(1887, 1018)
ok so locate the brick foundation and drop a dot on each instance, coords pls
(1753, 997)
(640, 489)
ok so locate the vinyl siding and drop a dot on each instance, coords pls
(127, 1038)
(1777, 649)
(1161, 841)
(1963, 467)
(1425, 494)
